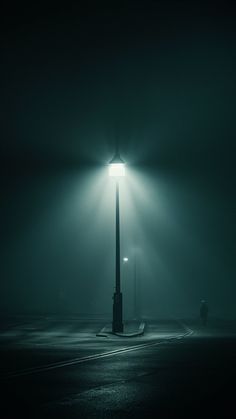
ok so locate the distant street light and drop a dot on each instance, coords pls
(117, 170)
(125, 260)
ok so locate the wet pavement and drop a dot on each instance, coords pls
(53, 367)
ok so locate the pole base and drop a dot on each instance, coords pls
(117, 323)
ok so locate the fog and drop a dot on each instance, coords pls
(166, 95)
(59, 244)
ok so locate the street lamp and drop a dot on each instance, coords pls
(117, 170)
(125, 260)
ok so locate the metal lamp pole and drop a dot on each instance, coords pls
(135, 288)
(117, 170)
(117, 323)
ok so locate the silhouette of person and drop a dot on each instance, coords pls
(203, 312)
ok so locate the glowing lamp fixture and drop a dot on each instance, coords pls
(125, 259)
(117, 166)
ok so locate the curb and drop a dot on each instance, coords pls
(140, 332)
(133, 334)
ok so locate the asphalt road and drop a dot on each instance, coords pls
(61, 369)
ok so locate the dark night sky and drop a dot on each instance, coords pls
(160, 77)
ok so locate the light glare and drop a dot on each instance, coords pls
(117, 169)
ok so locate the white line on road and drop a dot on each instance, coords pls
(74, 361)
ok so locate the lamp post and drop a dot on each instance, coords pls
(125, 260)
(135, 289)
(117, 170)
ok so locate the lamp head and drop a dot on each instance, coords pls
(117, 166)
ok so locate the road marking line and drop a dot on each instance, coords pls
(74, 361)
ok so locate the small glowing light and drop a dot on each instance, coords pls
(116, 169)
(125, 259)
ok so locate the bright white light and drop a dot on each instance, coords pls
(125, 259)
(116, 169)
